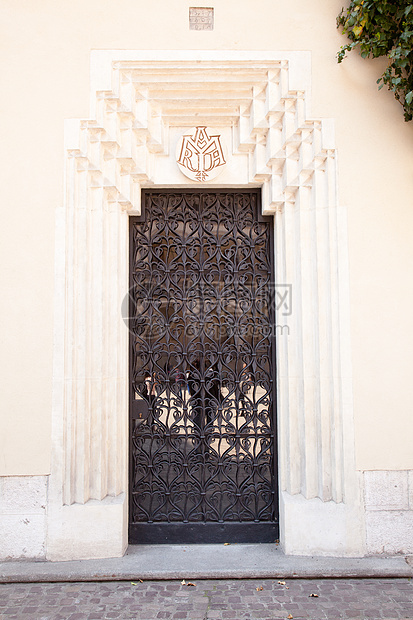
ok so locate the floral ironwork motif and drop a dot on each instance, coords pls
(200, 156)
(201, 360)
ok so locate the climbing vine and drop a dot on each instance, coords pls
(383, 28)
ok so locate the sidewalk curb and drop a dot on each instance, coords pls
(169, 562)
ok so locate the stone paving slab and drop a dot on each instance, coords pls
(205, 562)
(254, 599)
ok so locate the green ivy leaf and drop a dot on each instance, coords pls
(383, 28)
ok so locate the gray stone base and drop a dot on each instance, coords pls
(388, 520)
(23, 501)
(389, 511)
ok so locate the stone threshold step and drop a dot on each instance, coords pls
(234, 561)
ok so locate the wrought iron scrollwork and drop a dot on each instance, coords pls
(201, 360)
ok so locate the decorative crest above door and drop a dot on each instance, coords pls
(200, 154)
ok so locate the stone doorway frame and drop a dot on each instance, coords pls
(260, 103)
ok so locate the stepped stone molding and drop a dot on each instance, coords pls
(141, 104)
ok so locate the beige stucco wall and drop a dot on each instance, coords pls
(45, 79)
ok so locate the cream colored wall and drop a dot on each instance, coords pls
(45, 71)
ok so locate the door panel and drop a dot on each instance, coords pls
(202, 438)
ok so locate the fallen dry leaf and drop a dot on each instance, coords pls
(259, 589)
(281, 583)
(313, 596)
(184, 583)
(225, 544)
(290, 617)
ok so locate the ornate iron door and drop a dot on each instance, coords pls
(202, 372)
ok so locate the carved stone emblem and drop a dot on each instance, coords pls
(200, 156)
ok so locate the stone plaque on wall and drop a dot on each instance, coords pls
(201, 18)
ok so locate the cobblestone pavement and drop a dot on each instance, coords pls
(255, 599)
